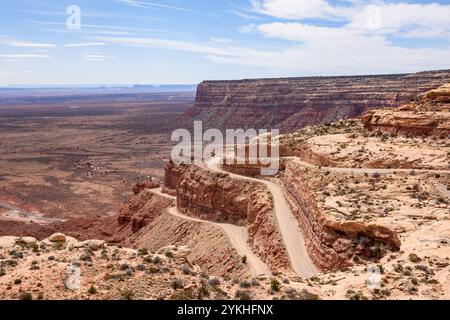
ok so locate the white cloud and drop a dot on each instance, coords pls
(247, 28)
(299, 9)
(97, 57)
(221, 40)
(143, 4)
(23, 56)
(359, 43)
(408, 20)
(10, 41)
(88, 44)
(316, 55)
(244, 15)
(399, 19)
(364, 40)
(146, 4)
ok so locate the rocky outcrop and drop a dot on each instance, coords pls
(139, 210)
(172, 174)
(152, 183)
(220, 198)
(292, 103)
(330, 243)
(212, 196)
(427, 116)
(442, 94)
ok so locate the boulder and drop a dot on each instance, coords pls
(92, 244)
(8, 241)
(57, 237)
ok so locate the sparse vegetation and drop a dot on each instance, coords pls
(177, 284)
(275, 285)
(92, 290)
(243, 295)
(25, 295)
(214, 282)
(414, 258)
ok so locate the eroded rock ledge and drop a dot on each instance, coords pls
(429, 115)
(220, 198)
(330, 243)
(293, 103)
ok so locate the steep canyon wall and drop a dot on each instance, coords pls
(292, 103)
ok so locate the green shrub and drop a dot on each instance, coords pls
(275, 285)
(92, 290)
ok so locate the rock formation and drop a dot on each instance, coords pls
(429, 115)
(218, 197)
(329, 242)
(293, 103)
(152, 183)
(141, 209)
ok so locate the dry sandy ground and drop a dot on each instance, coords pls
(61, 162)
(239, 239)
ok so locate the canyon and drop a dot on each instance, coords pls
(293, 103)
(351, 196)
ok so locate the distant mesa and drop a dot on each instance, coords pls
(293, 103)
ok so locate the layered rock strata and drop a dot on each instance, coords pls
(429, 115)
(329, 242)
(220, 198)
(293, 103)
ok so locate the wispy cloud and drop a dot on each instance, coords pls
(371, 16)
(244, 15)
(221, 40)
(106, 29)
(317, 54)
(10, 41)
(97, 57)
(295, 9)
(145, 4)
(23, 56)
(89, 14)
(27, 72)
(87, 44)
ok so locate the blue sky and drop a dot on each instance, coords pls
(174, 41)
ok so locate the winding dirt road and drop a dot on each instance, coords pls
(238, 238)
(290, 231)
(366, 170)
(237, 235)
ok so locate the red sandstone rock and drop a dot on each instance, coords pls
(153, 183)
(293, 103)
(141, 209)
(218, 197)
(172, 175)
(428, 116)
(329, 242)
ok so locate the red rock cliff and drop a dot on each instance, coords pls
(292, 103)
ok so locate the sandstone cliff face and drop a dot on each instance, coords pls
(292, 103)
(172, 174)
(220, 198)
(139, 210)
(329, 242)
(427, 116)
